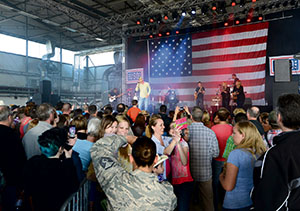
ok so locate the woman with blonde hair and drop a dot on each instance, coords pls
(206, 119)
(237, 179)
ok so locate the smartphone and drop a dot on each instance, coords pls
(72, 131)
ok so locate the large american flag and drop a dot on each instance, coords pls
(210, 57)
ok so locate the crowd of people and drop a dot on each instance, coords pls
(184, 159)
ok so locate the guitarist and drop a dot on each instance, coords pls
(238, 92)
(199, 94)
(113, 97)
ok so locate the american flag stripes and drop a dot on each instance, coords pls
(210, 57)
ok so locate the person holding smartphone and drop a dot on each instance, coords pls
(50, 178)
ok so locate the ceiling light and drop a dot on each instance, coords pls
(193, 12)
(183, 13)
(100, 39)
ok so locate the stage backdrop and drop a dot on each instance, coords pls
(210, 57)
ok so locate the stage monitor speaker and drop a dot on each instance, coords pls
(283, 71)
(46, 91)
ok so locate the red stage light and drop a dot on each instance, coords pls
(260, 18)
(237, 22)
(159, 34)
(253, 0)
(248, 20)
(166, 17)
(151, 20)
(214, 8)
(151, 36)
(168, 33)
(177, 32)
(138, 22)
(233, 3)
(226, 24)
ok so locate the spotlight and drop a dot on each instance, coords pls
(151, 36)
(237, 21)
(226, 23)
(177, 32)
(151, 20)
(168, 33)
(159, 34)
(193, 11)
(183, 13)
(248, 20)
(233, 3)
(214, 7)
(253, 1)
(138, 22)
(260, 18)
(166, 17)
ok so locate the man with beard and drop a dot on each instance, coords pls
(45, 114)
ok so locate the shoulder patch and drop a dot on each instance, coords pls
(106, 162)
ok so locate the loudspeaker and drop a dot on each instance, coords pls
(45, 87)
(54, 99)
(283, 70)
(284, 88)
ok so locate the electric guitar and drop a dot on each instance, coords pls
(114, 97)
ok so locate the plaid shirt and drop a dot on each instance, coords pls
(203, 148)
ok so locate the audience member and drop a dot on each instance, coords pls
(206, 119)
(134, 110)
(237, 177)
(264, 121)
(167, 120)
(92, 110)
(222, 130)
(93, 129)
(252, 115)
(275, 130)
(277, 181)
(46, 119)
(108, 126)
(12, 159)
(139, 190)
(50, 179)
(203, 148)
(67, 108)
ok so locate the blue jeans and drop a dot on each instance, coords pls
(143, 103)
(183, 193)
(239, 209)
(216, 171)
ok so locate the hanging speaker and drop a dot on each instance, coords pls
(283, 70)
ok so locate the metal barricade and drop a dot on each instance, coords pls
(78, 201)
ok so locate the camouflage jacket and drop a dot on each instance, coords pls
(137, 190)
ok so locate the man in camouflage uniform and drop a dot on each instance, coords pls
(138, 190)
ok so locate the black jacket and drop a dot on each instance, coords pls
(280, 165)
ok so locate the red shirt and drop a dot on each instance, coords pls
(133, 112)
(222, 131)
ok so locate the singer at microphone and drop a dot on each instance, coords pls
(145, 91)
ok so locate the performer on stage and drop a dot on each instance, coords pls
(235, 79)
(225, 93)
(238, 92)
(145, 91)
(113, 96)
(199, 94)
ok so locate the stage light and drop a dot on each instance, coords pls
(226, 23)
(260, 17)
(151, 20)
(253, 1)
(237, 21)
(151, 36)
(183, 13)
(193, 11)
(177, 32)
(168, 33)
(233, 3)
(248, 20)
(138, 22)
(159, 34)
(214, 7)
(166, 17)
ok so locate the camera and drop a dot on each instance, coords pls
(181, 108)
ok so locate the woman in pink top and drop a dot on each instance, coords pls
(222, 130)
(180, 168)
